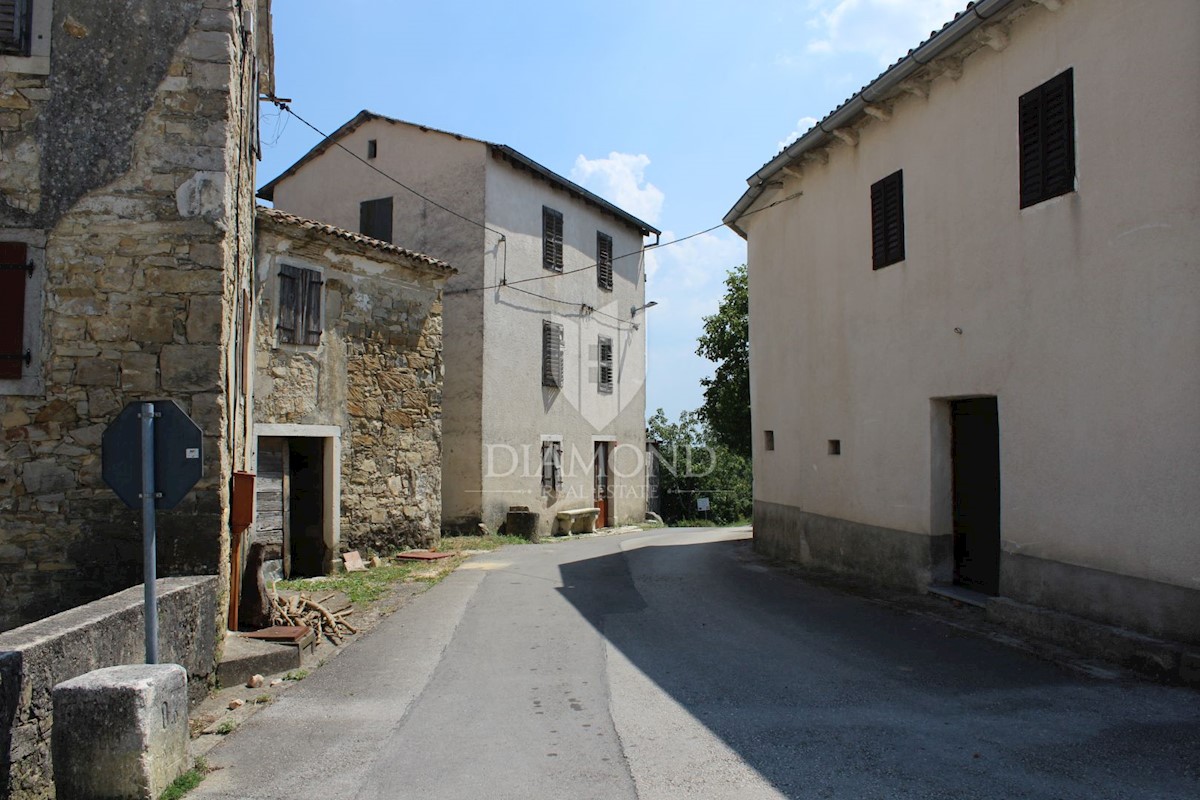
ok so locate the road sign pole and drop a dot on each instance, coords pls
(149, 548)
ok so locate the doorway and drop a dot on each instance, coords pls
(602, 469)
(975, 488)
(293, 490)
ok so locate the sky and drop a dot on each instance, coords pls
(663, 107)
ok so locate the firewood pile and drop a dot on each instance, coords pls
(303, 609)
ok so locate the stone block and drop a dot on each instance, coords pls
(120, 732)
(96, 372)
(190, 367)
(139, 372)
(44, 477)
(204, 319)
(152, 324)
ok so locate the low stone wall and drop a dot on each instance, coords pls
(108, 632)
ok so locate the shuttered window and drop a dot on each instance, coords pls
(552, 471)
(552, 239)
(604, 259)
(15, 355)
(375, 219)
(299, 305)
(887, 220)
(14, 27)
(1047, 134)
(604, 362)
(552, 354)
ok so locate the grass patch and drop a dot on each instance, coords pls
(296, 675)
(456, 544)
(186, 782)
(694, 523)
(225, 728)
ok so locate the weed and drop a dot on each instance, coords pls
(296, 675)
(186, 782)
(263, 699)
(225, 728)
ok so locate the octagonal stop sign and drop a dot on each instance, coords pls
(178, 454)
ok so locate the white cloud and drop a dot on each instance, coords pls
(621, 179)
(885, 29)
(803, 125)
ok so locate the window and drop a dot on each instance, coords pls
(14, 27)
(769, 440)
(552, 354)
(604, 259)
(552, 471)
(887, 220)
(1047, 134)
(299, 305)
(372, 148)
(15, 272)
(835, 447)
(604, 361)
(375, 219)
(552, 239)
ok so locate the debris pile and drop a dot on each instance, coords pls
(302, 609)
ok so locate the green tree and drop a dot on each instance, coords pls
(726, 340)
(691, 465)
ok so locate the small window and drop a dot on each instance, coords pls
(887, 220)
(552, 471)
(299, 305)
(552, 354)
(604, 259)
(769, 440)
(372, 148)
(604, 363)
(15, 27)
(835, 447)
(15, 354)
(552, 239)
(375, 219)
(1047, 134)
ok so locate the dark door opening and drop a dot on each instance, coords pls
(603, 491)
(306, 507)
(975, 457)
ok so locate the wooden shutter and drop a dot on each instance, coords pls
(14, 278)
(312, 306)
(887, 220)
(604, 256)
(552, 355)
(552, 472)
(375, 219)
(552, 239)
(1047, 140)
(14, 16)
(289, 294)
(604, 353)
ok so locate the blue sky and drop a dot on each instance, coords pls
(661, 106)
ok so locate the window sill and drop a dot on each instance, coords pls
(15, 387)
(26, 65)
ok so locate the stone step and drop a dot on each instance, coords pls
(243, 658)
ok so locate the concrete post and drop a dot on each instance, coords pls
(120, 732)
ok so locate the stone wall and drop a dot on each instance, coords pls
(129, 169)
(105, 633)
(376, 374)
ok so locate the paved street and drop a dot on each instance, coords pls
(675, 664)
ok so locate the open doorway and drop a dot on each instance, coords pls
(602, 469)
(975, 489)
(296, 503)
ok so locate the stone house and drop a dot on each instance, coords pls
(127, 164)
(544, 341)
(347, 393)
(975, 319)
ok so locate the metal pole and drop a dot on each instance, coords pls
(149, 554)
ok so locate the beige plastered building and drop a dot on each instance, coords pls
(544, 401)
(985, 371)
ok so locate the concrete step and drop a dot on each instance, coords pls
(243, 658)
(962, 594)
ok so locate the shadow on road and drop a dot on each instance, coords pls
(829, 695)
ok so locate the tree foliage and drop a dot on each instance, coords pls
(726, 340)
(692, 465)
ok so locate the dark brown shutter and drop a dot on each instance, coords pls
(13, 20)
(552, 239)
(604, 255)
(605, 359)
(552, 355)
(375, 219)
(289, 292)
(14, 277)
(312, 307)
(1047, 140)
(887, 220)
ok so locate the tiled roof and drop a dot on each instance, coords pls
(324, 228)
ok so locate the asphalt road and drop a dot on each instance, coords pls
(675, 664)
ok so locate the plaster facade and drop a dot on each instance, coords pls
(371, 389)
(127, 168)
(497, 413)
(1079, 314)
